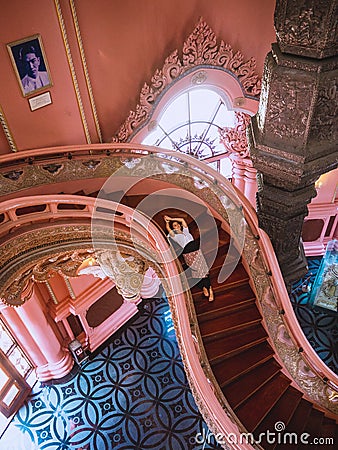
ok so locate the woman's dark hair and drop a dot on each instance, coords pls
(172, 223)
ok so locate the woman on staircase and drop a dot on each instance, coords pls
(179, 232)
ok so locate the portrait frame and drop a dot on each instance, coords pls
(16, 51)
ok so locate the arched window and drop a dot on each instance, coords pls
(191, 124)
(201, 90)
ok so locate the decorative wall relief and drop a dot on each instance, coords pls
(307, 28)
(234, 139)
(200, 49)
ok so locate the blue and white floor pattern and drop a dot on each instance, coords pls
(133, 395)
(319, 326)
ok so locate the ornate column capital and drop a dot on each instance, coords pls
(294, 134)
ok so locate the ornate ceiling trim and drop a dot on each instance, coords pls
(38, 255)
(199, 50)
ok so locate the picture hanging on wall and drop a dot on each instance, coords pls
(30, 64)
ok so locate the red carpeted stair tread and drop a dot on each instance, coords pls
(246, 385)
(229, 322)
(240, 341)
(232, 367)
(282, 411)
(252, 411)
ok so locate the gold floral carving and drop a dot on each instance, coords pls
(200, 49)
(127, 271)
(286, 348)
(27, 176)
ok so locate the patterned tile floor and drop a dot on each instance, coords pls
(133, 395)
(319, 327)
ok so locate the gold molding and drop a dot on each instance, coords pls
(72, 70)
(69, 287)
(51, 292)
(7, 131)
(85, 70)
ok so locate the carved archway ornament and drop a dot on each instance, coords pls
(62, 251)
(199, 51)
(234, 139)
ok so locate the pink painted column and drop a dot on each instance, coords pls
(22, 335)
(235, 141)
(238, 172)
(250, 188)
(59, 360)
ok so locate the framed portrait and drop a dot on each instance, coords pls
(30, 64)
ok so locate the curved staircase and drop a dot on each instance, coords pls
(239, 354)
(244, 363)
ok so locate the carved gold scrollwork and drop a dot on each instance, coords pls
(19, 291)
(66, 264)
(127, 272)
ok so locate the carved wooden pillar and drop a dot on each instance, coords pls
(293, 136)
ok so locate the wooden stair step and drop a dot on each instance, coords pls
(204, 224)
(255, 408)
(314, 422)
(238, 277)
(239, 341)
(157, 205)
(215, 254)
(115, 196)
(222, 237)
(299, 418)
(220, 288)
(229, 369)
(232, 321)
(282, 411)
(246, 385)
(220, 311)
(329, 429)
(228, 299)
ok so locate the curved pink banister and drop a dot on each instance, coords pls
(213, 176)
